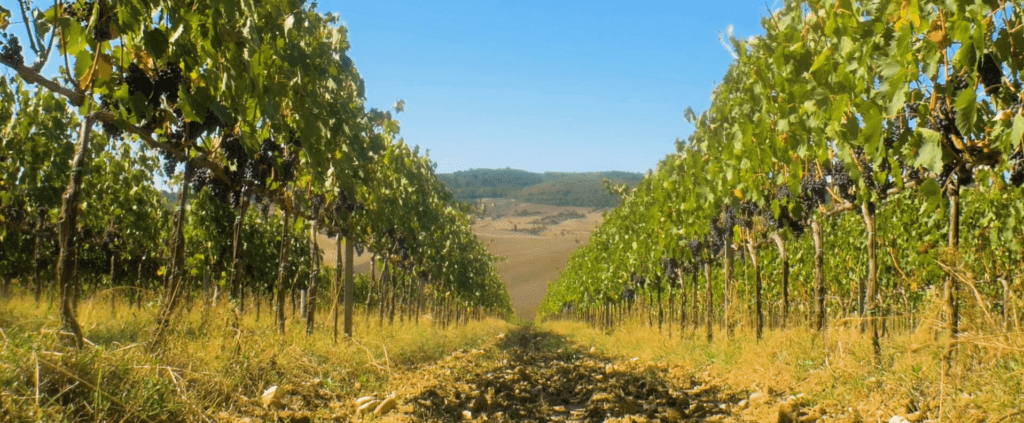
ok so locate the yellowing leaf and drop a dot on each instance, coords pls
(105, 67)
(910, 13)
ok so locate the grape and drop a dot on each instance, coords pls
(813, 191)
(947, 170)
(200, 179)
(638, 281)
(991, 74)
(234, 151)
(1017, 173)
(168, 81)
(669, 267)
(138, 81)
(112, 130)
(695, 249)
(170, 163)
(288, 169)
(960, 83)
(729, 221)
(748, 210)
(212, 122)
(101, 32)
(10, 52)
(796, 227)
(316, 204)
(944, 120)
(841, 182)
(716, 237)
(192, 130)
(628, 294)
(910, 110)
(79, 11)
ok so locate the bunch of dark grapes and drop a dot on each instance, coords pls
(960, 83)
(867, 170)
(233, 185)
(695, 249)
(212, 122)
(841, 182)
(944, 120)
(947, 171)
(813, 192)
(288, 166)
(167, 82)
(748, 211)
(716, 237)
(729, 220)
(10, 51)
(669, 266)
(200, 179)
(991, 74)
(138, 81)
(628, 295)
(170, 162)
(235, 152)
(221, 190)
(176, 139)
(883, 190)
(795, 226)
(109, 127)
(1017, 173)
(769, 217)
(910, 173)
(101, 32)
(191, 130)
(316, 204)
(895, 132)
(257, 170)
(638, 280)
(80, 11)
(910, 110)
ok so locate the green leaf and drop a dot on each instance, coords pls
(156, 43)
(1018, 130)
(931, 152)
(822, 59)
(932, 192)
(966, 111)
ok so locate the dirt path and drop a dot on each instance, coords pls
(532, 375)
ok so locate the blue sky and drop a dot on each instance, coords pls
(544, 85)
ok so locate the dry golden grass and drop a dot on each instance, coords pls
(835, 370)
(213, 365)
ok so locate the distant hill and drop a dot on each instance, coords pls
(585, 189)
